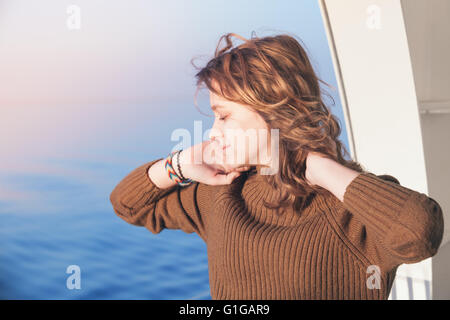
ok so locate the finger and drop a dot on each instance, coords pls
(231, 176)
(240, 169)
(218, 168)
(221, 179)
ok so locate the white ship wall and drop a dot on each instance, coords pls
(391, 59)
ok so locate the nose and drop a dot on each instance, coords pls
(216, 133)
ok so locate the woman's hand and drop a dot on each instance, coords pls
(328, 174)
(204, 163)
(315, 161)
(311, 160)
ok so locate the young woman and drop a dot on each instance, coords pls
(319, 227)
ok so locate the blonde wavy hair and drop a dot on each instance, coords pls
(274, 76)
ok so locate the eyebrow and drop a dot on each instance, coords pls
(216, 106)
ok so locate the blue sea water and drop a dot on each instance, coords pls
(73, 223)
(58, 214)
(50, 220)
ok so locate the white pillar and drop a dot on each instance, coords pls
(392, 67)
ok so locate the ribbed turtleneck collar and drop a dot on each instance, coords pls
(254, 189)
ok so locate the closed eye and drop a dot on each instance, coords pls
(223, 118)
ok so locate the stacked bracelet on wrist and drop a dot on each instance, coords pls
(173, 175)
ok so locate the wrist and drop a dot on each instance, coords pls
(182, 165)
(175, 165)
(171, 163)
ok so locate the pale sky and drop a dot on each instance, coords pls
(116, 88)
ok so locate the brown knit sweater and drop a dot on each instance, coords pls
(323, 252)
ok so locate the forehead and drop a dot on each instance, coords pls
(217, 103)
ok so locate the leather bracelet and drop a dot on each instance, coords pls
(178, 165)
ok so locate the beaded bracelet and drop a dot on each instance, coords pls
(181, 181)
(179, 167)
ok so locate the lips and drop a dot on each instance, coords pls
(218, 144)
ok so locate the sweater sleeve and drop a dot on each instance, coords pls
(138, 201)
(390, 223)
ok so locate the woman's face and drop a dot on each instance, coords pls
(240, 134)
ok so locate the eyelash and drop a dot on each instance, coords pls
(223, 118)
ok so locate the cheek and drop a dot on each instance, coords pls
(234, 133)
(231, 130)
(242, 147)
